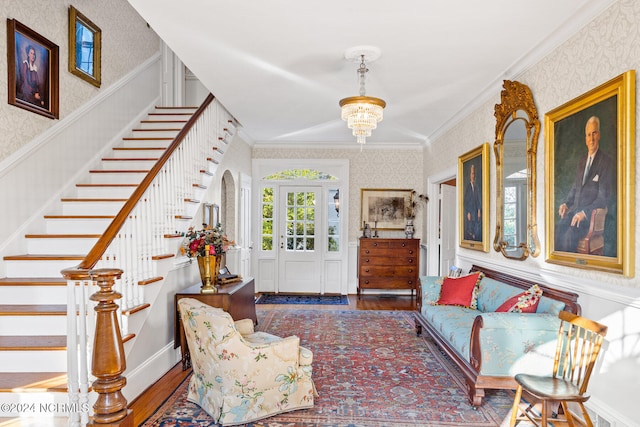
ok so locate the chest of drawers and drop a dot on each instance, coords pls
(388, 264)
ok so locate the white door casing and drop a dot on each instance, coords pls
(448, 197)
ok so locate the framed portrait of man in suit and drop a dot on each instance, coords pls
(473, 198)
(589, 171)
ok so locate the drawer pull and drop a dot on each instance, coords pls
(366, 260)
(367, 251)
(410, 282)
(410, 260)
(410, 251)
(410, 270)
(366, 282)
(404, 244)
(366, 270)
(375, 244)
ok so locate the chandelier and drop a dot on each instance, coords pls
(362, 113)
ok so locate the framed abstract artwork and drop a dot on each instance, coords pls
(85, 48)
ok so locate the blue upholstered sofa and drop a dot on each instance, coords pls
(491, 347)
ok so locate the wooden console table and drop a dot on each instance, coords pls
(237, 299)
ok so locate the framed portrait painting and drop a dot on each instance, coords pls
(384, 209)
(85, 48)
(473, 198)
(589, 167)
(32, 70)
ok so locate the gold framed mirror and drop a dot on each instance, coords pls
(515, 146)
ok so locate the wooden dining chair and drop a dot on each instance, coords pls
(579, 342)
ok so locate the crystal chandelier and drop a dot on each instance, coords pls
(362, 113)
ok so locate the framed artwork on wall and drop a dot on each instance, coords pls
(32, 67)
(473, 198)
(85, 48)
(384, 208)
(589, 167)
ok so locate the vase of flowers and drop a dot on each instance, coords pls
(415, 201)
(207, 246)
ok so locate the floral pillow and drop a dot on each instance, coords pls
(461, 291)
(525, 302)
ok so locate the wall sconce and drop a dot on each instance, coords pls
(336, 201)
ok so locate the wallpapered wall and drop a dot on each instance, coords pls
(371, 168)
(604, 49)
(126, 43)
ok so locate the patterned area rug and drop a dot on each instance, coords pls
(370, 369)
(303, 299)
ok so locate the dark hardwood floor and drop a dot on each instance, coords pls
(147, 403)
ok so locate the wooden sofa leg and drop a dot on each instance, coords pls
(475, 394)
(418, 328)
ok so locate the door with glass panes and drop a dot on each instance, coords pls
(299, 246)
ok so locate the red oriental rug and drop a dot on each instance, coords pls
(370, 369)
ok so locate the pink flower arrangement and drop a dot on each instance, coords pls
(209, 239)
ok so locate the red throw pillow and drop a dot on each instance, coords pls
(459, 291)
(525, 302)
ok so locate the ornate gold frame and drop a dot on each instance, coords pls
(77, 18)
(517, 104)
(614, 99)
(477, 157)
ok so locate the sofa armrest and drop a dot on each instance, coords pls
(508, 343)
(244, 326)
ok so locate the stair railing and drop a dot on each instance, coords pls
(124, 256)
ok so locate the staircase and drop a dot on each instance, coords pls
(33, 313)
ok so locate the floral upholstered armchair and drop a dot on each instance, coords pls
(239, 375)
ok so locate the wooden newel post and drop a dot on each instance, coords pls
(108, 361)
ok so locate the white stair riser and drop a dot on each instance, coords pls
(33, 268)
(187, 109)
(38, 409)
(34, 294)
(143, 143)
(104, 192)
(60, 246)
(166, 116)
(124, 165)
(32, 325)
(169, 133)
(136, 154)
(77, 225)
(33, 361)
(117, 178)
(91, 208)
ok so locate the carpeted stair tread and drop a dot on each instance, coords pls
(33, 381)
(33, 310)
(28, 342)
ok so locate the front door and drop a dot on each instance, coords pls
(299, 247)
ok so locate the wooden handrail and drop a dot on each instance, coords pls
(112, 230)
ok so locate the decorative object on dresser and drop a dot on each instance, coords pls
(207, 246)
(388, 264)
(415, 201)
(477, 330)
(237, 299)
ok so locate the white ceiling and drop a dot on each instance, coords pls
(278, 66)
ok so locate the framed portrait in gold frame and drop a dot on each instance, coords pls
(32, 70)
(590, 178)
(384, 209)
(473, 198)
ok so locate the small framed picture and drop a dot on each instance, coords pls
(32, 70)
(385, 209)
(85, 47)
(473, 198)
(590, 156)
